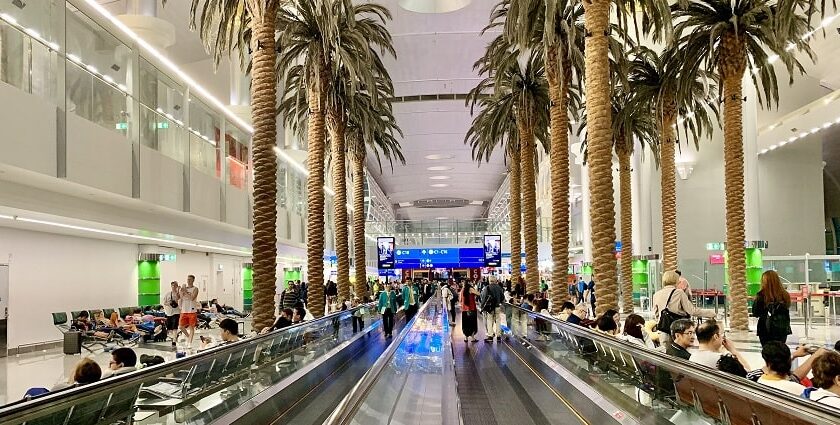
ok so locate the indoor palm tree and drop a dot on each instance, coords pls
(515, 78)
(493, 126)
(655, 19)
(364, 40)
(320, 43)
(556, 28)
(370, 124)
(672, 87)
(230, 28)
(728, 37)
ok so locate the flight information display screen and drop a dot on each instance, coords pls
(433, 257)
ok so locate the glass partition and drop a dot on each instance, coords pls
(654, 387)
(195, 389)
(205, 127)
(237, 143)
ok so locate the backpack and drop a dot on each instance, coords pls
(778, 320)
(489, 301)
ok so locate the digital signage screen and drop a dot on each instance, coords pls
(385, 250)
(492, 250)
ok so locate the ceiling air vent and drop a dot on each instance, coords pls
(441, 203)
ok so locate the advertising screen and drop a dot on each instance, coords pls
(492, 250)
(385, 250)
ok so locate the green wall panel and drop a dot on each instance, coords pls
(640, 278)
(247, 288)
(148, 283)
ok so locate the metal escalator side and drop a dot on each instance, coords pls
(611, 380)
(211, 386)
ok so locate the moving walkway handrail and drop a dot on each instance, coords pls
(61, 399)
(346, 410)
(769, 396)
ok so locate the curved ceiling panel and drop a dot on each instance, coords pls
(433, 6)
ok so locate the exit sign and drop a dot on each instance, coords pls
(715, 246)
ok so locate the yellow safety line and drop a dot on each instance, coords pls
(550, 388)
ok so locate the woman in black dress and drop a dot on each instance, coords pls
(772, 307)
(469, 312)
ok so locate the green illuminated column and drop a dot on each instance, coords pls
(755, 267)
(148, 283)
(640, 278)
(586, 269)
(248, 286)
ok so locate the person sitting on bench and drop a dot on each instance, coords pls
(86, 372)
(228, 332)
(123, 360)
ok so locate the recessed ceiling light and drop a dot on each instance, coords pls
(439, 185)
(440, 168)
(441, 218)
(440, 177)
(437, 156)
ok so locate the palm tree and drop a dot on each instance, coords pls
(321, 42)
(358, 71)
(671, 87)
(631, 121)
(655, 18)
(515, 77)
(229, 28)
(493, 126)
(727, 37)
(556, 27)
(371, 124)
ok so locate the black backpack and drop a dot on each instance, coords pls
(489, 301)
(778, 320)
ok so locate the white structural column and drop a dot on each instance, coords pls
(141, 17)
(751, 181)
(584, 190)
(642, 216)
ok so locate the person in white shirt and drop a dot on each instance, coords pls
(189, 309)
(777, 362)
(172, 309)
(711, 341)
(826, 369)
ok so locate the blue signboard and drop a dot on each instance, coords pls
(433, 257)
(385, 251)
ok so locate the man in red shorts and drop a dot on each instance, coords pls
(189, 309)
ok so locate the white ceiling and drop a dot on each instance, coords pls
(435, 54)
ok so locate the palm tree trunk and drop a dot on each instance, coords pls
(529, 199)
(315, 194)
(626, 198)
(732, 72)
(669, 191)
(359, 223)
(515, 216)
(263, 114)
(599, 138)
(558, 86)
(336, 128)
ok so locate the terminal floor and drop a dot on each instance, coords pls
(47, 368)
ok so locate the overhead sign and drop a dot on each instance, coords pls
(385, 250)
(434, 257)
(492, 250)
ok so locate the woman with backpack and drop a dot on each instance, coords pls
(771, 305)
(469, 312)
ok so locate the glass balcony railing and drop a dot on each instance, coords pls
(99, 75)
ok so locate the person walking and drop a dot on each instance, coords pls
(172, 310)
(469, 312)
(491, 301)
(410, 295)
(290, 296)
(189, 309)
(449, 299)
(771, 305)
(674, 304)
(581, 289)
(387, 307)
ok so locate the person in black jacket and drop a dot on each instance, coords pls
(771, 305)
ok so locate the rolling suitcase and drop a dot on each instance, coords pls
(72, 342)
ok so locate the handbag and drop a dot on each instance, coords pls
(666, 317)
